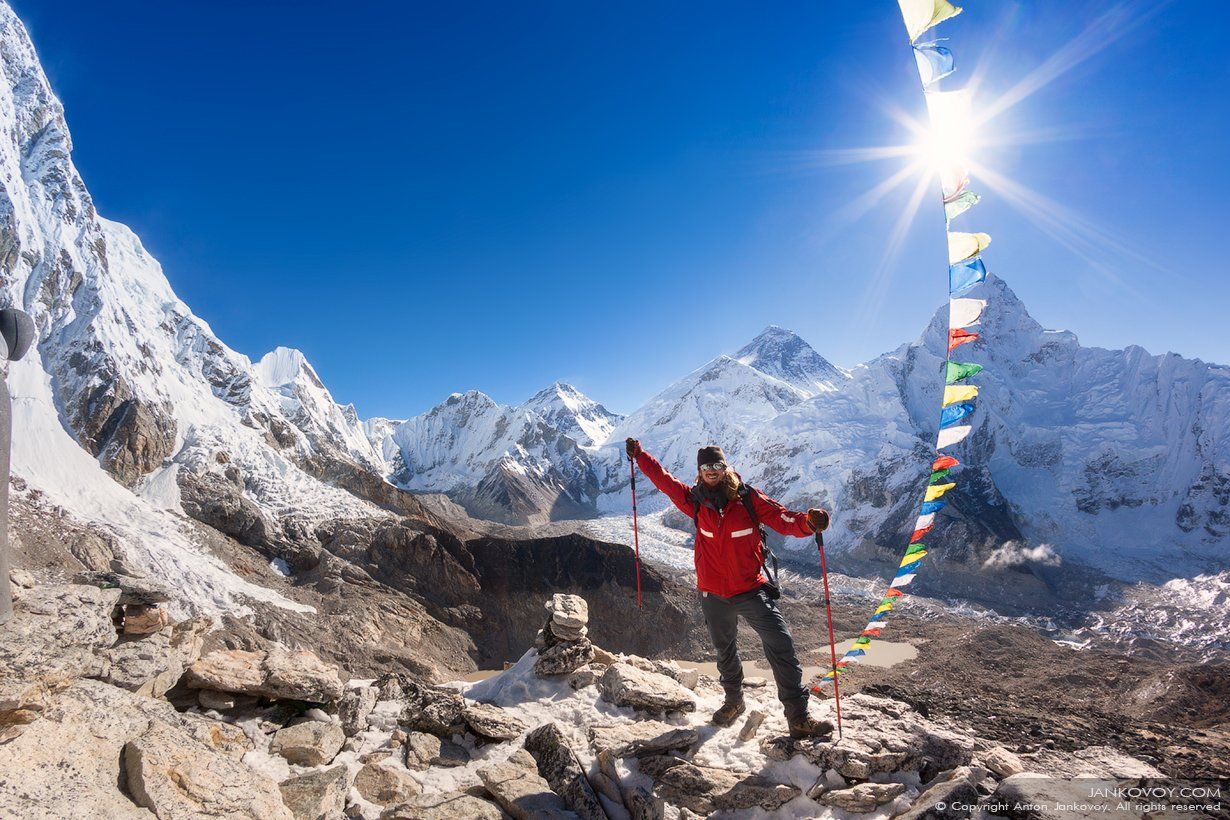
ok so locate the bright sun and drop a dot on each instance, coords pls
(947, 145)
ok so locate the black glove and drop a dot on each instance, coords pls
(634, 448)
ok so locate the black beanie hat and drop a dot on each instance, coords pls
(710, 455)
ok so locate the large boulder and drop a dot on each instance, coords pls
(311, 743)
(174, 776)
(277, 673)
(641, 738)
(69, 763)
(56, 635)
(521, 791)
(559, 766)
(148, 665)
(355, 706)
(319, 795)
(625, 685)
(140, 591)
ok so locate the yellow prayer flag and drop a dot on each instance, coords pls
(920, 15)
(959, 392)
(937, 490)
(964, 245)
(912, 557)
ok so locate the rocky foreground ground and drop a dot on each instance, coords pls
(108, 710)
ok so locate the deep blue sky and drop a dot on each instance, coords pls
(435, 197)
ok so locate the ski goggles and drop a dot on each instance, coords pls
(715, 467)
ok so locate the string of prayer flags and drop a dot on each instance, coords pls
(951, 118)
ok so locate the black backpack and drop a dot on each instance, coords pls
(772, 587)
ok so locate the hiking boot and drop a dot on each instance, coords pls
(802, 724)
(808, 726)
(730, 709)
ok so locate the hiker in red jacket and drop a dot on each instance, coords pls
(729, 558)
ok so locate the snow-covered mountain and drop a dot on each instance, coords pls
(502, 463)
(782, 354)
(574, 414)
(129, 412)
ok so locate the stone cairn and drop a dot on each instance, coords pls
(563, 642)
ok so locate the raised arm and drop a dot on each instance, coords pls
(674, 489)
(787, 522)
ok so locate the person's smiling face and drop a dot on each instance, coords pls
(712, 474)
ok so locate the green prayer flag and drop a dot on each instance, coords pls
(937, 476)
(913, 548)
(960, 204)
(957, 371)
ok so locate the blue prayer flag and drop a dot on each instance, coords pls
(954, 413)
(935, 62)
(966, 274)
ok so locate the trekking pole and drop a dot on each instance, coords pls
(636, 537)
(828, 610)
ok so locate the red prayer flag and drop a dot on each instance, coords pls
(920, 533)
(871, 633)
(893, 592)
(944, 463)
(957, 337)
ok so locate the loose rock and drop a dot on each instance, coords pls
(316, 795)
(174, 776)
(642, 738)
(946, 799)
(308, 744)
(444, 806)
(863, 798)
(625, 685)
(563, 658)
(559, 766)
(491, 721)
(1002, 762)
(385, 785)
(751, 725)
(520, 791)
(706, 790)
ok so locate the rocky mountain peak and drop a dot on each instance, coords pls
(783, 354)
(573, 413)
(283, 366)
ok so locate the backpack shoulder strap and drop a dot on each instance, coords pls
(745, 495)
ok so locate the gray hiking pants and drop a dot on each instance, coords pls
(762, 614)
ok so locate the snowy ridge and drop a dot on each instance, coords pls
(126, 391)
(574, 414)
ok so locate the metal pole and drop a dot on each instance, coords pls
(828, 610)
(636, 537)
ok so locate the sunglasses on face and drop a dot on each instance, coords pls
(716, 467)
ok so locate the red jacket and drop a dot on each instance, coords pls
(728, 554)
